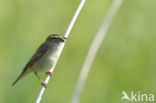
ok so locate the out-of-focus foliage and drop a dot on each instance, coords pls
(125, 61)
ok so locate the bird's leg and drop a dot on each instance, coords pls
(50, 73)
(44, 84)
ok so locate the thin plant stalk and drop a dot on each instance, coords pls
(93, 50)
(62, 46)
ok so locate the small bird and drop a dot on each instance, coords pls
(44, 58)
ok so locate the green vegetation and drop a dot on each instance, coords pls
(125, 61)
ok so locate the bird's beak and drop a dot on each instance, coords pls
(63, 39)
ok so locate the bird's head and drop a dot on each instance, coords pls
(55, 38)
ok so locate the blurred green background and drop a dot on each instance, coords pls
(126, 59)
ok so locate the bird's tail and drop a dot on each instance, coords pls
(24, 72)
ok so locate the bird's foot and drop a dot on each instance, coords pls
(44, 84)
(50, 73)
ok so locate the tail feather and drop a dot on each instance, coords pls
(24, 72)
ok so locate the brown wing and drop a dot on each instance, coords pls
(39, 53)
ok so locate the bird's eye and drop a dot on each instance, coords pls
(54, 38)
